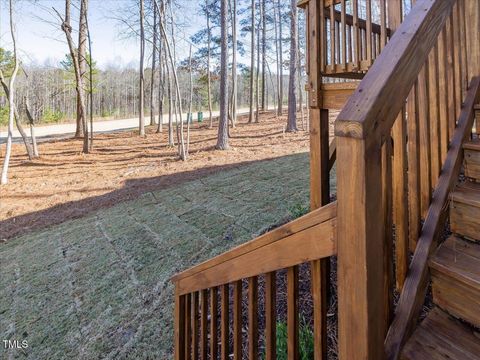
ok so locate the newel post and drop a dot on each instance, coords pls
(360, 238)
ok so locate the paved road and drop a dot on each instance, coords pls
(62, 130)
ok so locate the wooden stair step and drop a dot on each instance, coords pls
(472, 159)
(465, 211)
(441, 337)
(455, 270)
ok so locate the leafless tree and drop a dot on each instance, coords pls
(222, 139)
(11, 100)
(141, 96)
(292, 92)
(252, 63)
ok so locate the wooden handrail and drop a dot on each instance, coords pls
(413, 294)
(291, 244)
(373, 108)
(364, 171)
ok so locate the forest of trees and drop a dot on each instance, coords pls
(245, 54)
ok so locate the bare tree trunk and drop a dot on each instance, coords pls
(252, 63)
(257, 81)
(182, 152)
(222, 139)
(292, 96)
(276, 11)
(141, 102)
(11, 101)
(152, 79)
(280, 102)
(162, 78)
(31, 121)
(82, 56)
(264, 54)
(209, 74)
(190, 114)
(90, 72)
(24, 136)
(67, 29)
(234, 64)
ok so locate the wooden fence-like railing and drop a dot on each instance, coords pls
(352, 33)
(398, 154)
(207, 295)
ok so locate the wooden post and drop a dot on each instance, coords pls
(361, 296)
(319, 168)
(179, 327)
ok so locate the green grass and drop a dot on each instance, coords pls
(98, 287)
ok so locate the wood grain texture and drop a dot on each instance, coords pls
(413, 294)
(465, 211)
(237, 320)
(253, 317)
(311, 219)
(279, 251)
(213, 322)
(225, 322)
(360, 250)
(455, 270)
(440, 337)
(372, 109)
(292, 314)
(472, 160)
(270, 316)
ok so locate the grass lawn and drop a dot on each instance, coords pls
(98, 287)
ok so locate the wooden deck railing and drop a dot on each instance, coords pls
(398, 153)
(352, 33)
(202, 316)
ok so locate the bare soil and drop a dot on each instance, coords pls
(64, 183)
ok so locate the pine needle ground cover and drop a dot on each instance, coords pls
(98, 287)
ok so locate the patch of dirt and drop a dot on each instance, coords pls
(64, 183)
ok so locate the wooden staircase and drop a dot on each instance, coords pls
(451, 330)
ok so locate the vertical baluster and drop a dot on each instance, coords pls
(457, 60)
(204, 324)
(413, 146)
(188, 327)
(443, 94)
(425, 153)
(383, 24)
(271, 316)
(225, 323)
(337, 44)
(368, 35)
(344, 35)
(253, 317)
(213, 323)
(433, 78)
(333, 39)
(292, 312)
(319, 196)
(451, 79)
(179, 326)
(463, 39)
(319, 294)
(195, 325)
(400, 193)
(387, 221)
(350, 46)
(237, 320)
(356, 35)
(323, 36)
(400, 172)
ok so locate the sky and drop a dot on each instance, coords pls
(40, 40)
